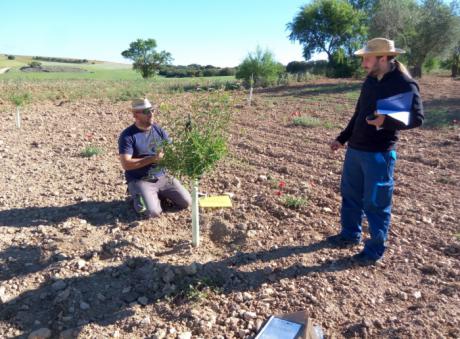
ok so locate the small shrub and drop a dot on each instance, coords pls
(11, 57)
(306, 121)
(35, 64)
(260, 67)
(200, 140)
(90, 151)
(19, 99)
(293, 202)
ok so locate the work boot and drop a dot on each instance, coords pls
(340, 241)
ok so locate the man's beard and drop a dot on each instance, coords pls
(373, 72)
(145, 125)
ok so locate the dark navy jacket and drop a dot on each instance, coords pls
(362, 136)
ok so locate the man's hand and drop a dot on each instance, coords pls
(157, 157)
(377, 121)
(335, 145)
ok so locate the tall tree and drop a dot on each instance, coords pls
(146, 59)
(327, 26)
(435, 33)
(426, 30)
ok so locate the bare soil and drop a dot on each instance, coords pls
(77, 262)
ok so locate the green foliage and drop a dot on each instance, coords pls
(65, 60)
(200, 140)
(306, 121)
(146, 59)
(261, 67)
(431, 64)
(326, 26)
(441, 118)
(199, 289)
(453, 62)
(172, 71)
(318, 67)
(293, 202)
(20, 99)
(90, 151)
(425, 29)
(35, 64)
(11, 57)
(341, 65)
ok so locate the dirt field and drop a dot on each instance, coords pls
(77, 262)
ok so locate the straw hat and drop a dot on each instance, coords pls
(140, 104)
(379, 47)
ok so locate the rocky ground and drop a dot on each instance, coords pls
(77, 262)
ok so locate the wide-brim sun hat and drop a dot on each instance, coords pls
(379, 47)
(140, 104)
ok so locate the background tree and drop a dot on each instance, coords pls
(327, 26)
(262, 66)
(426, 30)
(146, 59)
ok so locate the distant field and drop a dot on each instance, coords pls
(104, 79)
(97, 70)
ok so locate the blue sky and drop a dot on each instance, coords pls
(219, 32)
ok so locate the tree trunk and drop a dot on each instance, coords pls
(455, 66)
(416, 71)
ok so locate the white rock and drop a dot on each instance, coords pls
(160, 334)
(146, 321)
(249, 315)
(3, 296)
(252, 233)
(185, 335)
(263, 177)
(230, 194)
(81, 263)
(41, 333)
(417, 294)
(239, 297)
(247, 296)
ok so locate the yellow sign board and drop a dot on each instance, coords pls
(216, 201)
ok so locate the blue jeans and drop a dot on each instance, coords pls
(367, 189)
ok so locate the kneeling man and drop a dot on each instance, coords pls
(139, 147)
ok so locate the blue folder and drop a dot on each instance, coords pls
(397, 106)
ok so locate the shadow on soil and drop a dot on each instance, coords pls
(96, 213)
(442, 113)
(105, 296)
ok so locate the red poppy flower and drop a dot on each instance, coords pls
(278, 193)
(282, 184)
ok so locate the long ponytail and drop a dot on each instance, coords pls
(400, 66)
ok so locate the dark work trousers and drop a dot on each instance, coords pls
(367, 189)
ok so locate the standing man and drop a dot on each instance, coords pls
(367, 178)
(139, 147)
